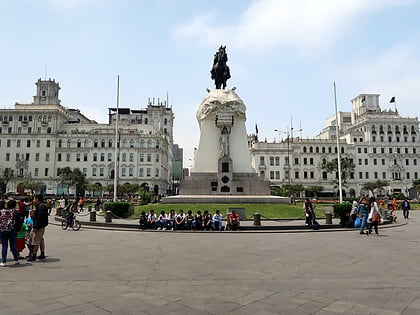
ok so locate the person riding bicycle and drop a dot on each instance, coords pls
(71, 210)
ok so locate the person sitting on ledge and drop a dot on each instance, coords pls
(180, 220)
(234, 220)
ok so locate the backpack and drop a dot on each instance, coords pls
(7, 220)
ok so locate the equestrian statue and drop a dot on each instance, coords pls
(220, 72)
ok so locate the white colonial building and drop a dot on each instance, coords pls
(39, 138)
(381, 143)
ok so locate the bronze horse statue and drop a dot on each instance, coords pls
(220, 72)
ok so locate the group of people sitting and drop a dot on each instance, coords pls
(188, 221)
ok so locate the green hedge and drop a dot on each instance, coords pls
(120, 209)
(340, 208)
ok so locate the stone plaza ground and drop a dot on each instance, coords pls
(95, 271)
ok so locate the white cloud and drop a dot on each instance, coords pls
(395, 72)
(60, 5)
(306, 25)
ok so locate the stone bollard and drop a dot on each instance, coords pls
(328, 218)
(257, 219)
(89, 208)
(108, 217)
(92, 217)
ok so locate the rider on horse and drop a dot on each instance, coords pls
(220, 72)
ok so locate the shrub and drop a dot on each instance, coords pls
(340, 208)
(118, 208)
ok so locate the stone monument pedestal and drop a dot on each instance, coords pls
(222, 162)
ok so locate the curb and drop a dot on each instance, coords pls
(243, 229)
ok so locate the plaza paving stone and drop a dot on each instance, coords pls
(96, 271)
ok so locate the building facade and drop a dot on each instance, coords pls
(380, 143)
(38, 139)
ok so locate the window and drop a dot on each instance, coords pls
(7, 156)
(359, 150)
(375, 162)
(271, 174)
(131, 143)
(373, 150)
(157, 158)
(124, 157)
(46, 172)
(103, 143)
(296, 174)
(109, 157)
(60, 143)
(85, 157)
(360, 175)
(375, 174)
(311, 161)
(78, 157)
(312, 175)
(407, 162)
(148, 172)
(142, 145)
(29, 129)
(305, 161)
(59, 157)
(296, 161)
(262, 162)
(36, 173)
(366, 162)
(18, 143)
(277, 174)
(383, 161)
(277, 161)
(17, 157)
(28, 143)
(102, 157)
(84, 171)
(86, 143)
(272, 161)
(8, 143)
(48, 143)
(408, 175)
(38, 143)
(95, 157)
(130, 172)
(360, 161)
(156, 172)
(27, 157)
(414, 161)
(141, 158)
(149, 157)
(68, 157)
(367, 175)
(141, 172)
(305, 174)
(101, 171)
(95, 143)
(37, 157)
(94, 171)
(47, 157)
(69, 143)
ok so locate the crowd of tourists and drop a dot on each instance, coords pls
(188, 221)
(367, 213)
(22, 225)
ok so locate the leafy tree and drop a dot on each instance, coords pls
(416, 185)
(75, 177)
(32, 185)
(6, 175)
(372, 186)
(316, 189)
(79, 180)
(293, 189)
(146, 196)
(347, 168)
(93, 187)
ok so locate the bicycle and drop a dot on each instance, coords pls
(74, 224)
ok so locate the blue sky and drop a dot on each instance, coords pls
(284, 56)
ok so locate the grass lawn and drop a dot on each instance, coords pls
(267, 211)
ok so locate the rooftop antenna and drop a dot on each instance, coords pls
(300, 130)
(45, 72)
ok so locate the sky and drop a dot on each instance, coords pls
(284, 56)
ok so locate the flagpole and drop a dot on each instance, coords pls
(116, 141)
(338, 145)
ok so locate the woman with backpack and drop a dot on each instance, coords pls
(10, 224)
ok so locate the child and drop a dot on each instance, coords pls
(28, 240)
(20, 239)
